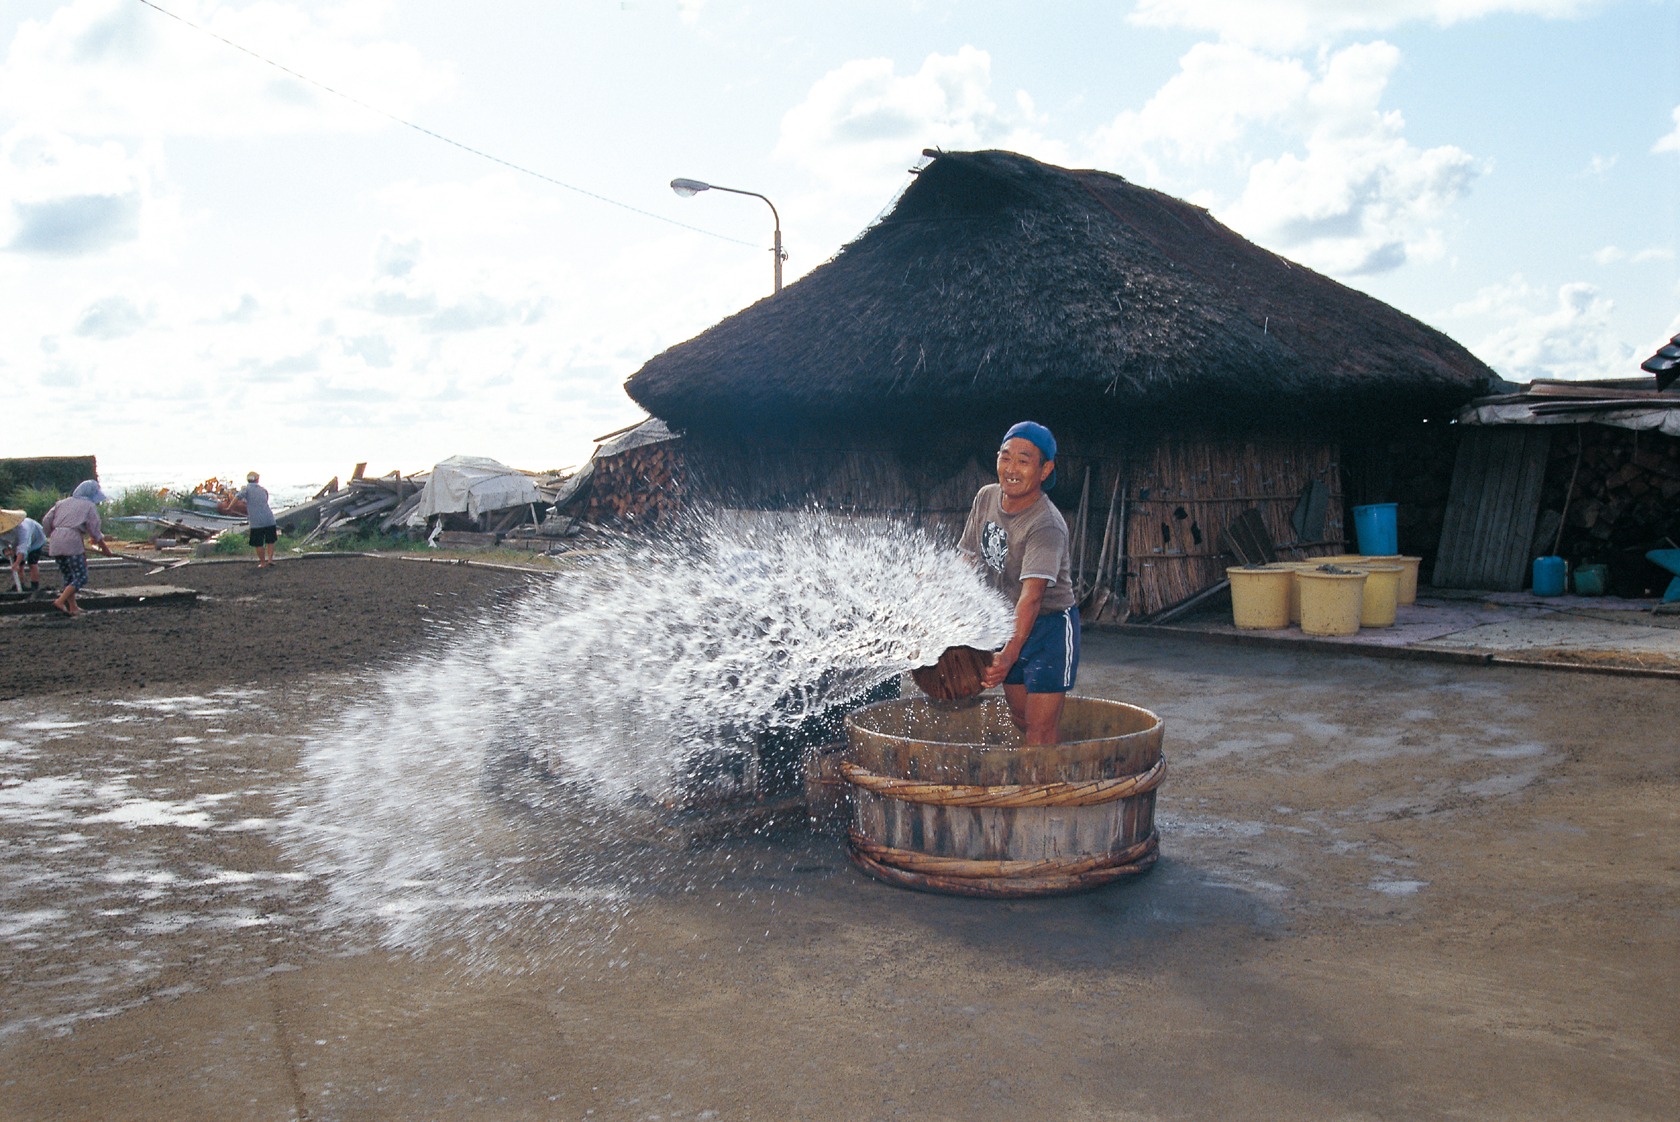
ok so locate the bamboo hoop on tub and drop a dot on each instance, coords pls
(1051, 883)
(1082, 793)
(934, 865)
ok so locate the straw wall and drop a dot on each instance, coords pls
(1180, 493)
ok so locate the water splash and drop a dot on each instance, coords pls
(524, 764)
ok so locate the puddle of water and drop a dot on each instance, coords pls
(153, 812)
(1398, 887)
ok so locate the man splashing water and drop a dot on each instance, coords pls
(1020, 540)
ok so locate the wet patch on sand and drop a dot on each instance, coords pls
(136, 837)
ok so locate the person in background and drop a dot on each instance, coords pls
(1020, 541)
(23, 541)
(264, 532)
(67, 524)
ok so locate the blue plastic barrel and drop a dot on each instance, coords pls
(1550, 575)
(1374, 525)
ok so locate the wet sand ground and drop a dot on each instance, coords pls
(1387, 890)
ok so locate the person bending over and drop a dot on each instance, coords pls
(1020, 541)
(67, 524)
(263, 531)
(23, 543)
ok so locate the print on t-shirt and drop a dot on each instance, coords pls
(994, 546)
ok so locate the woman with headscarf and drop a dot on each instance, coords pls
(67, 524)
(22, 541)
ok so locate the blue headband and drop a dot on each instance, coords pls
(1039, 437)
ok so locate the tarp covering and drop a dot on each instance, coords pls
(650, 431)
(1635, 416)
(473, 485)
(1628, 403)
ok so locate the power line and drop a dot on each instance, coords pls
(439, 136)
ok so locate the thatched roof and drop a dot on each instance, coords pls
(1001, 287)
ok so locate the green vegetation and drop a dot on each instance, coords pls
(57, 474)
(130, 501)
(34, 501)
(361, 541)
(230, 543)
(143, 499)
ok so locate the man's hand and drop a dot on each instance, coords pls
(1026, 614)
(1001, 662)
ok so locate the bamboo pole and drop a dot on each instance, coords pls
(1083, 516)
(1098, 603)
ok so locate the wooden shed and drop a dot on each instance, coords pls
(1586, 470)
(1191, 376)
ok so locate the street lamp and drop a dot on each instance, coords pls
(688, 188)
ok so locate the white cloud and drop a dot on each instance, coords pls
(64, 197)
(1565, 335)
(113, 317)
(1615, 255)
(689, 10)
(1283, 24)
(1329, 177)
(1207, 110)
(1670, 142)
(112, 67)
(862, 124)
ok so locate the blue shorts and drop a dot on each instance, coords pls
(1049, 661)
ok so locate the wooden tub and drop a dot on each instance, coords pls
(948, 799)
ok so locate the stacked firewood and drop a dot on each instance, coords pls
(1613, 487)
(643, 486)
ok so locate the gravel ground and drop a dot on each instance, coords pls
(303, 616)
(1388, 890)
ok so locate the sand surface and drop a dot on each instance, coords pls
(1387, 890)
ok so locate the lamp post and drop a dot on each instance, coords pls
(688, 188)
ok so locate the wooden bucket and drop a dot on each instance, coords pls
(948, 799)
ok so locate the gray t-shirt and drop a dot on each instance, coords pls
(1015, 547)
(257, 513)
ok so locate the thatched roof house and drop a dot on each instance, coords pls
(999, 283)
(1189, 374)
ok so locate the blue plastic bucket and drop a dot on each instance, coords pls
(1550, 576)
(1591, 580)
(1375, 527)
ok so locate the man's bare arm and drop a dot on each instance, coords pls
(1026, 615)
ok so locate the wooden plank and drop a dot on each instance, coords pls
(1492, 507)
(1456, 535)
(1493, 512)
(1525, 506)
(91, 599)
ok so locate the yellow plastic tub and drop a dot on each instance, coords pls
(1295, 569)
(1260, 596)
(1408, 579)
(1331, 603)
(1380, 601)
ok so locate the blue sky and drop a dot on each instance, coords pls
(211, 266)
